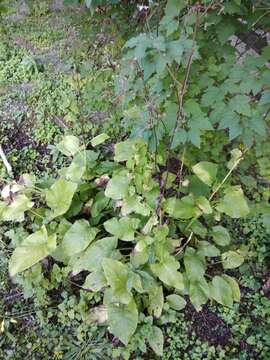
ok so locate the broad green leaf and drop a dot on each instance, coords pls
(134, 282)
(156, 301)
(175, 51)
(76, 169)
(90, 157)
(117, 187)
(205, 248)
(123, 229)
(123, 320)
(233, 203)
(221, 291)
(231, 259)
(171, 109)
(95, 281)
(69, 146)
(97, 140)
(231, 120)
(234, 287)
(198, 292)
(240, 104)
(59, 196)
(168, 274)
(123, 151)
(174, 7)
(140, 254)
(176, 302)
(93, 256)
(194, 264)
(117, 275)
(221, 235)
(204, 205)
(206, 172)
(16, 209)
(100, 203)
(198, 229)
(134, 204)
(32, 249)
(153, 220)
(78, 237)
(179, 208)
(156, 340)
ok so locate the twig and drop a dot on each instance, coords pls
(5, 161)
(180, 95)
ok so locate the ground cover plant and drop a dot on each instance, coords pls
(135, 215)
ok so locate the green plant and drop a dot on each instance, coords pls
(172, 96)
(131, 240)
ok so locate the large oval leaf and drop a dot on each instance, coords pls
(176, 302)
(16, 209)
(233, 203)
(92, 257)
(69, 146)
(33, 249)
(117, 187)
(123, 229)
(206, 172)
(221, 235)
(221, 291)
(156, 340)
(231, 259)
(180, 208)
(168, 274)
(78, 237)
(59, 196)
(117, 275)
(123, 320)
